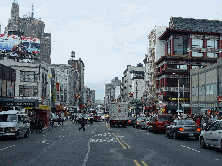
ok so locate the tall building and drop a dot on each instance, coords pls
(189, 43)
(78, 66)
(30, 27)
(155, 51)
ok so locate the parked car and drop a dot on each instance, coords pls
(131, 121)
(138, 122)
(144, 125)
(183, 128)
(159, 123)
(212, 136)
(13, 123)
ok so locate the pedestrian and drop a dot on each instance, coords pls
(36, 124)
(51, 123)
(82, 124)
(40, 124)
(32, 124)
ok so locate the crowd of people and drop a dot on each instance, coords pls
(36, 124)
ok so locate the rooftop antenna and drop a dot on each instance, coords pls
(32, 9)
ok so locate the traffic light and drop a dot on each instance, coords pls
(131, 94)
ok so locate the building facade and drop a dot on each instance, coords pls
(206, 89)
(64, 80)
(31, 80)
(188, 43)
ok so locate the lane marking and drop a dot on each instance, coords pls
(119, 141)
(144, 163)
(124, 142)
(137, 164)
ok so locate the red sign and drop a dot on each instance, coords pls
(57, 86)
(219, 98)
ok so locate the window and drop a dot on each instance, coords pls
(212, 43)
(200, 91)
(211, 89)
(193, 66)
(28, 76)
(28, 91)
(213, 55)
(65, 88)
(169, 47)
(220, 87)
(197, 43)
(178, 46)
(197, 54)
(183, 67)
(208, 89)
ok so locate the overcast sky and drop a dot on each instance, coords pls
(106, 35)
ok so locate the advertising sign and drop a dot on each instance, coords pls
(14, 43)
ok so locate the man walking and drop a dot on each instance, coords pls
(51, 124)
(82, 124)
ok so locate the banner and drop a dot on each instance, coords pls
(14, 43)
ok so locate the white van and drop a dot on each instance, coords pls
(14, 123)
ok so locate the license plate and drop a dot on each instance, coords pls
(190, 134)
(119, 121)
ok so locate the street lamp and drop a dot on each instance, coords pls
(178, 94)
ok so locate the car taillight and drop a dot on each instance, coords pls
(114, 121)
(156, 123)
(180, 129)
(147, 123)
(198, 129)
(138, 122)
(129, 121)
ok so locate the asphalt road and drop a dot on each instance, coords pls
(101, 145)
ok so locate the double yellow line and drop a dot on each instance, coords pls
(138, 164)
(120, 140)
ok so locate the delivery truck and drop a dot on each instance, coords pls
(118, 114)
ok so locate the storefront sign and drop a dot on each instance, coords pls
(167, 98)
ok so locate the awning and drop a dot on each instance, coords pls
(11, 102)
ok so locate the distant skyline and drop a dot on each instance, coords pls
(108, 36)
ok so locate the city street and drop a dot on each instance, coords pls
(101, 145)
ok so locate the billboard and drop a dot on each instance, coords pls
(22, 45)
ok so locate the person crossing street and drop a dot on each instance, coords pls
(82, 124)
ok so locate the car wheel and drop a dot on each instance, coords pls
(167, 134)
(202, 143)
(154, 130)
(26, 135)
(17, 135)
(175, 135)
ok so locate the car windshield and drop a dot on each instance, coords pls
(164, 118)
(8, 118)
(186, 122)
(87, 115)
